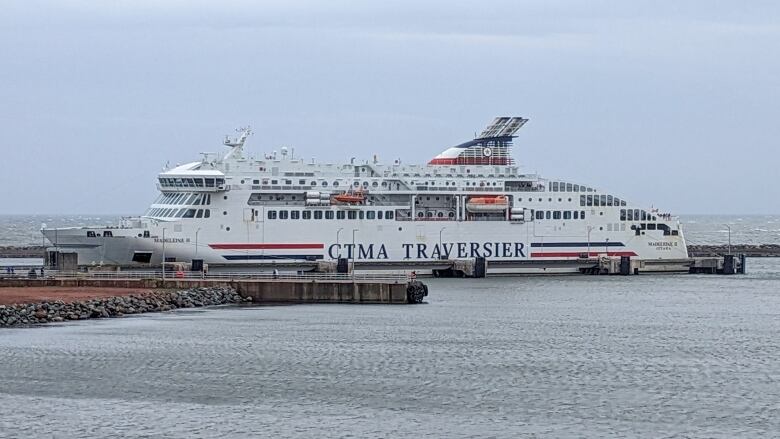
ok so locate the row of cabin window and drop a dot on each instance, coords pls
(560, 214)
(180, 213)
(635, 215)
(653, 226)
(192, 182)
(330, 214)
(601, 200)
(559, 186)
(185, 198)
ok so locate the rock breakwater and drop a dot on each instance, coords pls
(155, 301)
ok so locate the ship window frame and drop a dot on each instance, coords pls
(576, 214)
(370, 215)
(389, 214)
(306, 215)
(284, 214)
(567, 214)
(556, 214)
(295, 214)
(317, 215)
(329, 215)
(352, 214)
(206, 213)
(340, 215)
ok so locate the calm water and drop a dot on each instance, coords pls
(652, 356)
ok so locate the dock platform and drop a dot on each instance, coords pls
(261, 288)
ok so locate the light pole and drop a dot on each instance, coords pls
(440, 245)
(196, 241)
(354, 250)
(729, 228)
(163, 254)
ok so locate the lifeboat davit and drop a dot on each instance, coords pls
(356, 197)
(487, 204)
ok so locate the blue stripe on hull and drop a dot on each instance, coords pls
(270, 257)
(577, 244)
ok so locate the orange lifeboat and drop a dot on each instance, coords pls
(355, 197)
(487, 204)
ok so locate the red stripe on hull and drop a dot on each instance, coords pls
(576, 254)
(266, 246)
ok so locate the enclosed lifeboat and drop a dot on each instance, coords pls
(351, 197)
(487, 204)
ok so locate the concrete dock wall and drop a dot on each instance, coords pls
(261, 291)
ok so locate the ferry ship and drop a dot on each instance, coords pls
(471, 201)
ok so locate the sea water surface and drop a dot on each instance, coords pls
(568, 356)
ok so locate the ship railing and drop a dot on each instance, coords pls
(192, 275)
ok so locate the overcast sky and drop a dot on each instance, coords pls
(671, 104)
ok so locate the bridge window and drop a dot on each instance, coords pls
(190, 213)
(630, 215)
(622, 214)
(199, 213)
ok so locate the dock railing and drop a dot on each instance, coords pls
(197, 275)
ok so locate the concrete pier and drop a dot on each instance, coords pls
(389, 289)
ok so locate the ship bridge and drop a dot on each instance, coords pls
(190, 178)
(492, 147)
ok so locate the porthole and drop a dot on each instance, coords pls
(225, 197)
(227, 229)
(224, 212)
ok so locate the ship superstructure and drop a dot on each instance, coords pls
(471, 201)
